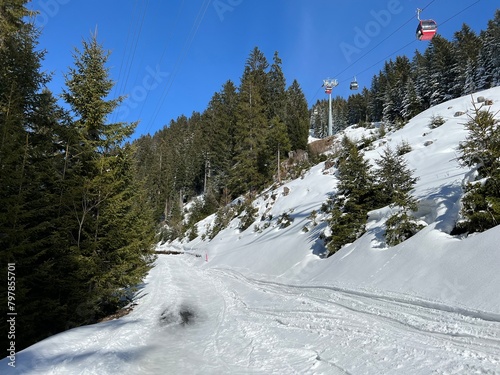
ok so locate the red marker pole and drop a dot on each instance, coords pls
(206, 257)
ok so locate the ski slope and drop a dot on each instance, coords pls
(243, 325)
(265, 302)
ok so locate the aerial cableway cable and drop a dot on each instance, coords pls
(165, 48)
(402, 48)
(133, 36)
(180, 59)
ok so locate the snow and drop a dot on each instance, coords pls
(267, 302)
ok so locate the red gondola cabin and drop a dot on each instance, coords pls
(426, 29)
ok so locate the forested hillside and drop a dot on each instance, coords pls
(405, 87)
(75, 226)
(233, 148)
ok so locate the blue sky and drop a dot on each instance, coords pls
(171, 56)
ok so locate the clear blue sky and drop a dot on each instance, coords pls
(171, 56)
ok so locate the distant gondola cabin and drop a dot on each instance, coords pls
(426, 29)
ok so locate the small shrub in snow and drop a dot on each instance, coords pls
(312, 216)
(436, 121)
(222, 219)
(247, 217)
(403, 148)
(400, 227)
(285, 220)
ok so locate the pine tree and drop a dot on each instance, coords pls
(481, 150)
(250, 169)
(491, 51)
(394, 178)
(466, 45)
(107, 242)
(219, 131)
(353, 199)
(32, 134)
(297, 117)
(412, 103)
(275, 95)
(395, 181)
(278, 144)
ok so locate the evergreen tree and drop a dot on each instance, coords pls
(466, 45)
(297, 117)
(278, 144)
(340, 113)
(412, 103)
(276, 98)
(31, 163)
(112, 251)
(250, 169)
(395, 181)
(442, 58)
(491, 52)
(353, 199)
(218, 134)
(481, 150)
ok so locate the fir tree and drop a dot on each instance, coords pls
(353, 199)
(395, 181)
(466, 45)
(276, 97)
(481, 150)
(297, 117)
(250, 169)
(112, 251)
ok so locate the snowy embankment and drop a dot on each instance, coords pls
(433, 265)
(263, 301)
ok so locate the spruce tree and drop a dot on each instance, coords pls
(218, 133)
(112, 250)
(466, 45)
(395, 182)
(297, 117)
(250, 163)
(31, 165)
(275, 96)
(353, 199)
(481, 151)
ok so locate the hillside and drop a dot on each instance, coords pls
(265, 300)
(432, 265)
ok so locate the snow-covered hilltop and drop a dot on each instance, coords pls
(264, 300)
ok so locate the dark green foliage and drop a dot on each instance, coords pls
(481, 150)
(395, 182)
(394, 179)
(73, 218)
(436, 121)
(400, 227)
(247, 214)
(297, 117)
(222, 219)
(354, 198)
(284, 220)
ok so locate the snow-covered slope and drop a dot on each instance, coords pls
(264, 302)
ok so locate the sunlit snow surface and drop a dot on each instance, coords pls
(265, 302)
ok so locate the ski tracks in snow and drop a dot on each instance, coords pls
(321, 330)
(201, 320)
